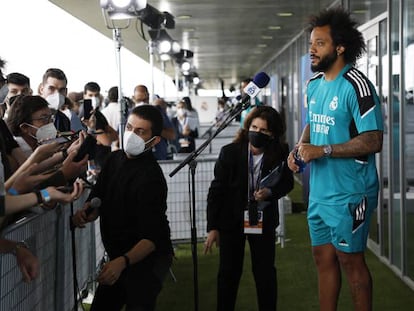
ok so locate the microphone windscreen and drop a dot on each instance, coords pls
(261, 79)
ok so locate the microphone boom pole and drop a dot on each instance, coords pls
(190, 160)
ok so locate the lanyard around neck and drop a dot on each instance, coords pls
(254, 185)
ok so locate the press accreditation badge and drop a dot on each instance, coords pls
(253, 229)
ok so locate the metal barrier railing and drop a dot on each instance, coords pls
(179, 198)
(49, 237)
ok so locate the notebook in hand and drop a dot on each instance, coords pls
(273, 177)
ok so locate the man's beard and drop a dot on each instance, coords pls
(325, 63)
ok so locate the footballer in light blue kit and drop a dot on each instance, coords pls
(339, 110)
(344, 130)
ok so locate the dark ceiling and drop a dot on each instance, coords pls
(231, 39)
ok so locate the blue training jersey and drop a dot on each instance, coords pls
(339, 110)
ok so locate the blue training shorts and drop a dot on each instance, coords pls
(346, 225)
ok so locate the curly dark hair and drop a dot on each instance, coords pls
(21, 111)
(274, 120)
(344, 31)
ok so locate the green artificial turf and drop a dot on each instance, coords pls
(297, 279)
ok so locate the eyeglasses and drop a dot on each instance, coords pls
(45, 119)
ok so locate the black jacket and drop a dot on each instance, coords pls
(228, 193)
(134, 203)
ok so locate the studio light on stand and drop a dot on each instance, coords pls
(164, 46)
(183, 66)
(156, 21)
(117, 15)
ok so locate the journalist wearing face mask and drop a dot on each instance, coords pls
(250, 176)
(135, 234)
(31, 122)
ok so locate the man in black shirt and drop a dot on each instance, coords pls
(134, 225)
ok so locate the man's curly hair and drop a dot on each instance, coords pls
(344, 31)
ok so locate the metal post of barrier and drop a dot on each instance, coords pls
(280, 230)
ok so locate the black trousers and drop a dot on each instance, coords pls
(262, 248)
(137, 288)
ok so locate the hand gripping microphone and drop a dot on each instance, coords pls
(253, 88)
(95, 203)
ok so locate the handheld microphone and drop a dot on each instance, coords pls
(253, 88)
(95, 203)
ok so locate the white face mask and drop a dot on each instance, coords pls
(95, 102)
(181, 112)
(133, 144)
(45, 132)
(55, 100)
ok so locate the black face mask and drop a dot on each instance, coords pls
(258, 139)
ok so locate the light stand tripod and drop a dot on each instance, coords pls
(121, 101)
(116, 37)
(192, 163)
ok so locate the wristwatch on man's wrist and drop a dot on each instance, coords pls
(21, 244)
(327, 150)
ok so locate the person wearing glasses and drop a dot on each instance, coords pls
(31, 122)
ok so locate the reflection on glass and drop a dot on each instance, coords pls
(395, 103)
(409, 137)
(384, 94)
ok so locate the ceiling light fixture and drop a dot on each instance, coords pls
(274, 27)
(285, 14)
(184, 17)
